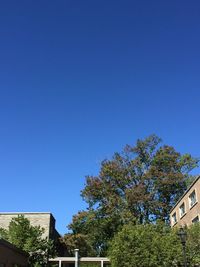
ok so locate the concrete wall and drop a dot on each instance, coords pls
(10, 255)
(190, 212)
(45, 220)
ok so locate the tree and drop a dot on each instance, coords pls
(139, 185)
(154, 245)
(3, 233)
(90, 232)
(146, 246)
(145, 180)
(193, 245)
(73, 241)
(29, 238)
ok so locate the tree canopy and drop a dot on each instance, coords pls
(29, 238)
(139, 185)
(146, 245)
(154, 245)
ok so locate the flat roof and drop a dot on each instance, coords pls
(82, 259)
(24, 212)
(188, 189)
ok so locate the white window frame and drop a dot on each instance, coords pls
(173, 221)
(181, 215)
(195, 218)
(192, 205)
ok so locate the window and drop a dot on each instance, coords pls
(192, 198)
(196, 219)
(182, 209)
(174, 219)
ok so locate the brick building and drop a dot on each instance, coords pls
(187, 209)
(11, 256)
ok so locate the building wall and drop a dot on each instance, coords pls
(191, 212)
(45, 220)
(10, 255)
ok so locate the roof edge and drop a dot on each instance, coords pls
(187, 190)
(24, 212)
(11, 246)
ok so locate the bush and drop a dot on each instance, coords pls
(146, 246)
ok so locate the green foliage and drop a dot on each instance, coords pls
(139, 185)
(3, 233)
(73, 241)
(145, 246)
(29, 238)
(90, 233)
(146, 180)
(154, 245)
(193, 245)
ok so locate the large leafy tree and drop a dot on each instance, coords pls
(139, 185)
(90, 232)
(30, 239)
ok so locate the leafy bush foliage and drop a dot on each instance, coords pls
(145, 246)
(29, 238)
(154, 245)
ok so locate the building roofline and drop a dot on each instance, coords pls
(24, 212)
(29, 212)
(188, 189)
(13, 247)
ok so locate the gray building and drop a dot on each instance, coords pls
(42, 219)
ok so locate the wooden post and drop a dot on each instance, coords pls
(60, 263)
(102, 263)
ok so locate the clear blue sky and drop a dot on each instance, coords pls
(79, 80)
